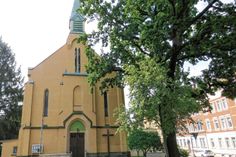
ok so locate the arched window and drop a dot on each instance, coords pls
(105, 104)
(77, 60)
(77, 96)
(45, 107)
(77, 126)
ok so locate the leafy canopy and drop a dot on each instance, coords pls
(140, 140)
(10, 93)
(149, 43)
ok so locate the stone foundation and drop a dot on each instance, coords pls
(112, 154)
(55, 155)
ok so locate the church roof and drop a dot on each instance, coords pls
(76, 19)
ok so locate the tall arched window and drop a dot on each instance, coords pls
(77, 96)
(45, 107)
(105, 104)
(77, 60)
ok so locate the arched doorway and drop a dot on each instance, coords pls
(77, 141)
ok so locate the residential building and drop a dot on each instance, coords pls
(215, 130)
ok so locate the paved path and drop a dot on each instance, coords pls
(157, 154)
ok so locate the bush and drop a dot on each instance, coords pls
(144, 141)
(183, 152)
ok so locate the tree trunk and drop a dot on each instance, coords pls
(172, 145)
(165, 146)
(144, 153)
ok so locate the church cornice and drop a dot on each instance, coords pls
(68, 118)
(75, 74)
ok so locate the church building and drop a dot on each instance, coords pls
(61, 116)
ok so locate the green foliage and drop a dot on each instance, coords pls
(10, 93)
(147, 43)
(140, 140)
(183, 153)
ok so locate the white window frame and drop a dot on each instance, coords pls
(228, 117)
(185, 143)
(208, 124)
(181, 144)
(223, 123)
(213, 145)
(220, 142)
(233, 140)
(218, 105)
(224, 104)
(202, 142)
(199, 125)
(216, 119)
(227, 142)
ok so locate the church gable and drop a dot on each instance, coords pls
(68, 59)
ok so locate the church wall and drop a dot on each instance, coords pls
(7, 147)
(56, 74)
(23, 142)
(100, 107)
(26, 110)
(49, 75)
(102, 141)
(117, 141)
(85, 103)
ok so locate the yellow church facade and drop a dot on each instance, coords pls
(60, 116)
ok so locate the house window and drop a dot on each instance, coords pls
(105, 104)
(224, 104)
(208, 124)
(216, 124)
(229, 122)
(77, 60)
(181, 144)
(202, 142)
(233, 141)
(218, 104)
(223, 123)
(185, 144)
(220, 142)
(14, 151)
(212, 143)
(199, 125)
(45, 108)
(177, 140)
(227, 142)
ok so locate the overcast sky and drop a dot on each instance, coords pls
(34, 29)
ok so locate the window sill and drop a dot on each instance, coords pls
(74, 74)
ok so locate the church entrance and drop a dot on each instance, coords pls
(77, 139)
(77, 144)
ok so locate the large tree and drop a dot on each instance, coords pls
(149, 42)
(10, 93)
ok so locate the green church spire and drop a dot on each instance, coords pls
(76, 19)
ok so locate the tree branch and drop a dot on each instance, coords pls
(140, 49)
(202, 13)
(172, 2)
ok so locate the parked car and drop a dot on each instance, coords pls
(204, 153)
